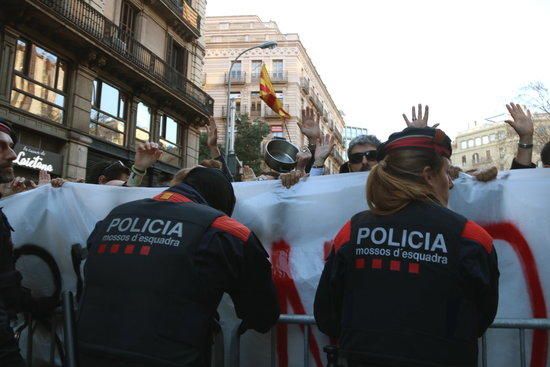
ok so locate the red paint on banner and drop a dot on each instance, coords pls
(510, 233)
(288, 294)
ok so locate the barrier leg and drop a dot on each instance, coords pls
(273, 346)
(522, 347)
(306, 346)
(484, 351)
(69, 339)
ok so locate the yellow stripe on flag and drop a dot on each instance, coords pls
(268, 95)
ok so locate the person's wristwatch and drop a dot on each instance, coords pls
(525, 146)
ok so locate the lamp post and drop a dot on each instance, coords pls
(230, 128)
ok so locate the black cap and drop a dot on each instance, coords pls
(214, 187)
(422, 138)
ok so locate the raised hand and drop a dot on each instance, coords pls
(212, 138)
(323, 150)
(43, 178)
(421, 120)
(146, 155)
(522, 122)
(309, 126)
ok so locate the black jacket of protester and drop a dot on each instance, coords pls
(156, 272)
(12, 299)
(416, 288)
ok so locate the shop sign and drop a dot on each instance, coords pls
(39, 159)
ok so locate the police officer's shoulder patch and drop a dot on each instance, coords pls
(231, 226)
(473, 231)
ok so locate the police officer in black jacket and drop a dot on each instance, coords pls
(156, 272)
(409, 282)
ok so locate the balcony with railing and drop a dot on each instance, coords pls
(185, 19)
(237, 77)
(137, 61)
(239, 109)
(304, 85)
(279, 77)
(316, 103)
(255, 109)
(339, 136)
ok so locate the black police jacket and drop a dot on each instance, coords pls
(156, 272)
(416, 288)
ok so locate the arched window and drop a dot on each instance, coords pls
(475, 158)
(463, 160)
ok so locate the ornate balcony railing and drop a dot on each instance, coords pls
(279, 77)
(237, 77)
(189, 15)
(304, 84)
(95, 25)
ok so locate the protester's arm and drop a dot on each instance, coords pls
(212, 144)
(309, 126)
(522, 123)
(231, 257)
(146, 155)
(330, 292)
(479, 271)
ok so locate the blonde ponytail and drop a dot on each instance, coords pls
(397, 180)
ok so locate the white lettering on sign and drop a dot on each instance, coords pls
(414, 239)
(34, 162)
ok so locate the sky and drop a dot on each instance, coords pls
(464, 58)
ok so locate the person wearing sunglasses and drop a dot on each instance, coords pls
(361, 154)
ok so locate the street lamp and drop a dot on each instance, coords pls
(230, 128)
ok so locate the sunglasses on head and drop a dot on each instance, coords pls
(113, 165)
(358, 157)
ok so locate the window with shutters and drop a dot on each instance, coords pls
(128, 17)
(179, 58)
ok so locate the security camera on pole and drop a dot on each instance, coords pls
(231, 111)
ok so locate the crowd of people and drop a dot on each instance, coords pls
(158, 267)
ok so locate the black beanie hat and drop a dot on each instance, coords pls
(214, 187)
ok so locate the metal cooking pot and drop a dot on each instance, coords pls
(280, 155)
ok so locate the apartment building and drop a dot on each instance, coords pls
(297, 82)
(84, 81)
(494, 143)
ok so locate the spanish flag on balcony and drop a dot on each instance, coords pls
(267, 94)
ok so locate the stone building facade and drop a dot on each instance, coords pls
(86, 80)
(495, 143)
(294, 77)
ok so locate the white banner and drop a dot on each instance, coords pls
(296, 226)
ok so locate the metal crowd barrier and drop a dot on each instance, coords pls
(520, 324)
